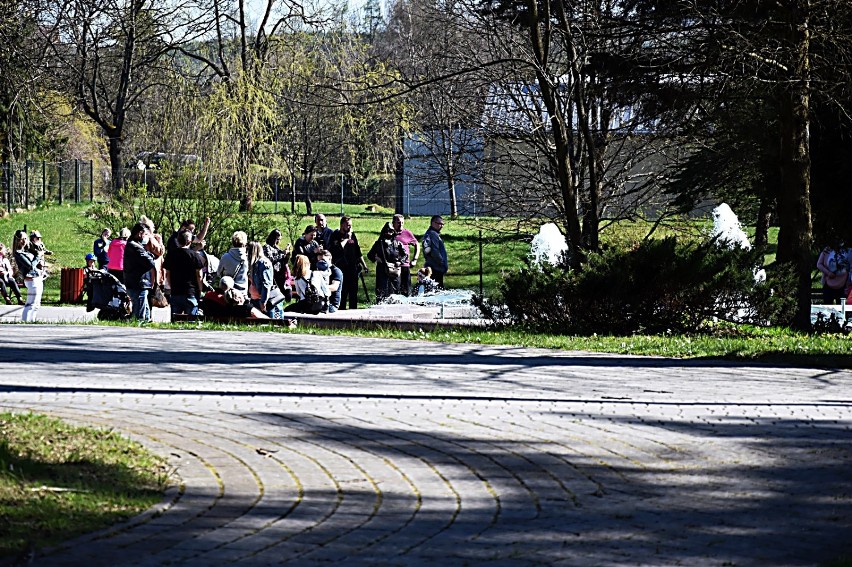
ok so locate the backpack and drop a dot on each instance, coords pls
(315, 301)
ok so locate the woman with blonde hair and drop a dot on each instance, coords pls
(234, 263)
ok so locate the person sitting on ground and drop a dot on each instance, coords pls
(116, 254)
(425, 283)
(263, 292)
(8, 283)
(228, 302)
(234, 262)
(312, 290)
(333, 278)
(389, 255)
(100, 248)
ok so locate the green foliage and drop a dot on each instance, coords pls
(660, 286)
(178, 194)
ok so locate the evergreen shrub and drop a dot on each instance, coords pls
(658, 286)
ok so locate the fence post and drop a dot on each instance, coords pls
(43, 180)
(76, 180)
(27, 183)
(59, 175)
(341, 194)
(277, 180)
(6, 185)
(91, 182)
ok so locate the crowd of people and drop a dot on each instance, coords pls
(319, 273)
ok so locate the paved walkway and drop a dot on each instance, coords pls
(304, 450)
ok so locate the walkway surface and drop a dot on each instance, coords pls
(305, 450)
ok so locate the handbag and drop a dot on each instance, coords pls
(392, 269)
(158, 298)
(275, 297)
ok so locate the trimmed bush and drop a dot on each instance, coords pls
(659, 286)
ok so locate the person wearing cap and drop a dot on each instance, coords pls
(308, 245)
(100, 248)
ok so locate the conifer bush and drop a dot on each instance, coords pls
(658, 286)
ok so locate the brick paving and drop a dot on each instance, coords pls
(305, 450)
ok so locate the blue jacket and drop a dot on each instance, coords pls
(436, 258)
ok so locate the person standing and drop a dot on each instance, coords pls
(347, 255)
(833, 266)
(116, 254)
(406, 238)
(8, 284)
(280, 260)
(183, 268)
(324, 232)
(308, 245)
(30, 265)
(434, 250)
(138, 266)
(388, 254)
(100, 248)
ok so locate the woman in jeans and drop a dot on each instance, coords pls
(29, 264)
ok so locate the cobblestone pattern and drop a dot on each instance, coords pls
(294, 449)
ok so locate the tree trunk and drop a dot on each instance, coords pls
(560, 133)
(117, 172)
(795, 237)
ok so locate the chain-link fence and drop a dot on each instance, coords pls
(25, 184)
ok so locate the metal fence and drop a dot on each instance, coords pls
(28, 183)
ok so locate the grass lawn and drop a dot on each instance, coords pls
(61, 228)
(58, 481)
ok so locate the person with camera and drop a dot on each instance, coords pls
(389, 255)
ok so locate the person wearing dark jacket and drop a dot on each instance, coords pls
(347, 256)
(389, 254)
(138, 264)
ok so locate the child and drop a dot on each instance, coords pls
(425, 283)
(36, 247)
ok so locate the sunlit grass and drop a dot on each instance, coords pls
(58, 481)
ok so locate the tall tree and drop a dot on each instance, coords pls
(108, 53)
